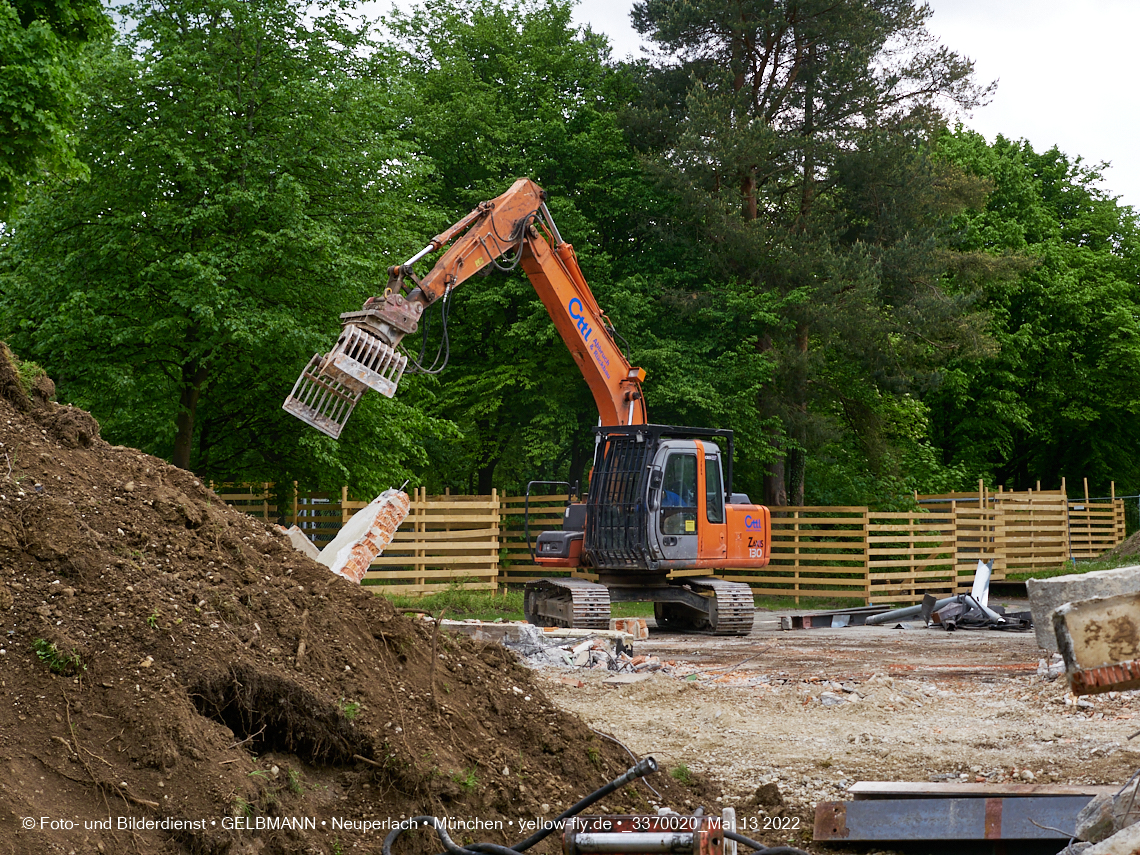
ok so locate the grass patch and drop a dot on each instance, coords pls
(466, 779)
(640, 610)
(349, 709)
(488, 605)
(1069, 568)
(29, 373)
(58, 661)
(463, 605)
(681, 773)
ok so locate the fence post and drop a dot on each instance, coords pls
(796, 556)
(1068, 521)
(420, 526)
(496, 540)
(867, 554)
(296, 497)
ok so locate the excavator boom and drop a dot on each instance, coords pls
(515, 226)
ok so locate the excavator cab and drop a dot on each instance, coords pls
(660, 506)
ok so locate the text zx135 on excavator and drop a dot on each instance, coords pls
(659, 516)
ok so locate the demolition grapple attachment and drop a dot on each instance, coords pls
(330, 386)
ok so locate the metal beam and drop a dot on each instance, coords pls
(1009, 818)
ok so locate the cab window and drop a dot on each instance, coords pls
(714, 492)
(679, 495)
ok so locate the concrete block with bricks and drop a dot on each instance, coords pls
(1099, 640)
(366, 535)
(1047, 595)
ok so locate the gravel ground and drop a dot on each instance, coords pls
(813, 711)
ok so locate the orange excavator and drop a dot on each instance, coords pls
(659, 516)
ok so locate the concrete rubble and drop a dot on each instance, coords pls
(1048, 595)
(361, 540)
(1108, 824)
(1099, 639)
(607, 650)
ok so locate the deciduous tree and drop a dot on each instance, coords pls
(247, 184)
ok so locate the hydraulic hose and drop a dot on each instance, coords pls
(760, 848)
(644, 767)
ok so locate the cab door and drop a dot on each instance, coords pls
(676, 518)
(712, 542)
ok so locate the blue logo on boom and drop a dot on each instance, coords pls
(583, 325)
(751, 522)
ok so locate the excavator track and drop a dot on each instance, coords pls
(573, 603)
(730, 612)
(734, 608)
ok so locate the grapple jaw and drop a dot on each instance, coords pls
(330, 386)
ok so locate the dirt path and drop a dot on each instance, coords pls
(816, 710)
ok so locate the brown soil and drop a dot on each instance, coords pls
(1129, 546)
(165, 657)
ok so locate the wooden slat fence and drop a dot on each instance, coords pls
(445, 541)
(1035, 531)
(832, 552)
(1095, 526)
(909, 554)
(816, 552)
(545, 515)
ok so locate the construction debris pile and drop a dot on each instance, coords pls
(1092, 621)
(1107, 825)
(168, 658)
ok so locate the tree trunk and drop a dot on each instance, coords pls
(748, 192)
(775, 491)
(193, 376)
(485, 475)
(807, 195)
(797, 456)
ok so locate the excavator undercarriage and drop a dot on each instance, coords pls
(695, 604)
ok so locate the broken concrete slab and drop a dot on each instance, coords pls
(300, 541)
(504, 632)
(366, 535)
(1126, 842)
(510, 632)
(1099, 640)
(1047, 595)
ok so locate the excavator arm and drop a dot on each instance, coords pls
(517, 226)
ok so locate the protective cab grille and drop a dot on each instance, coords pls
(617, 522)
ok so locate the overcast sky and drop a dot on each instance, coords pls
(1065, 70)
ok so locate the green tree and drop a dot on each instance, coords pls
(248, 183)
(41, 44)
(504, 90)
(785, 127)
(1062, 290)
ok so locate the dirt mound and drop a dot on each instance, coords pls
(173, 669)
(1129, 546)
